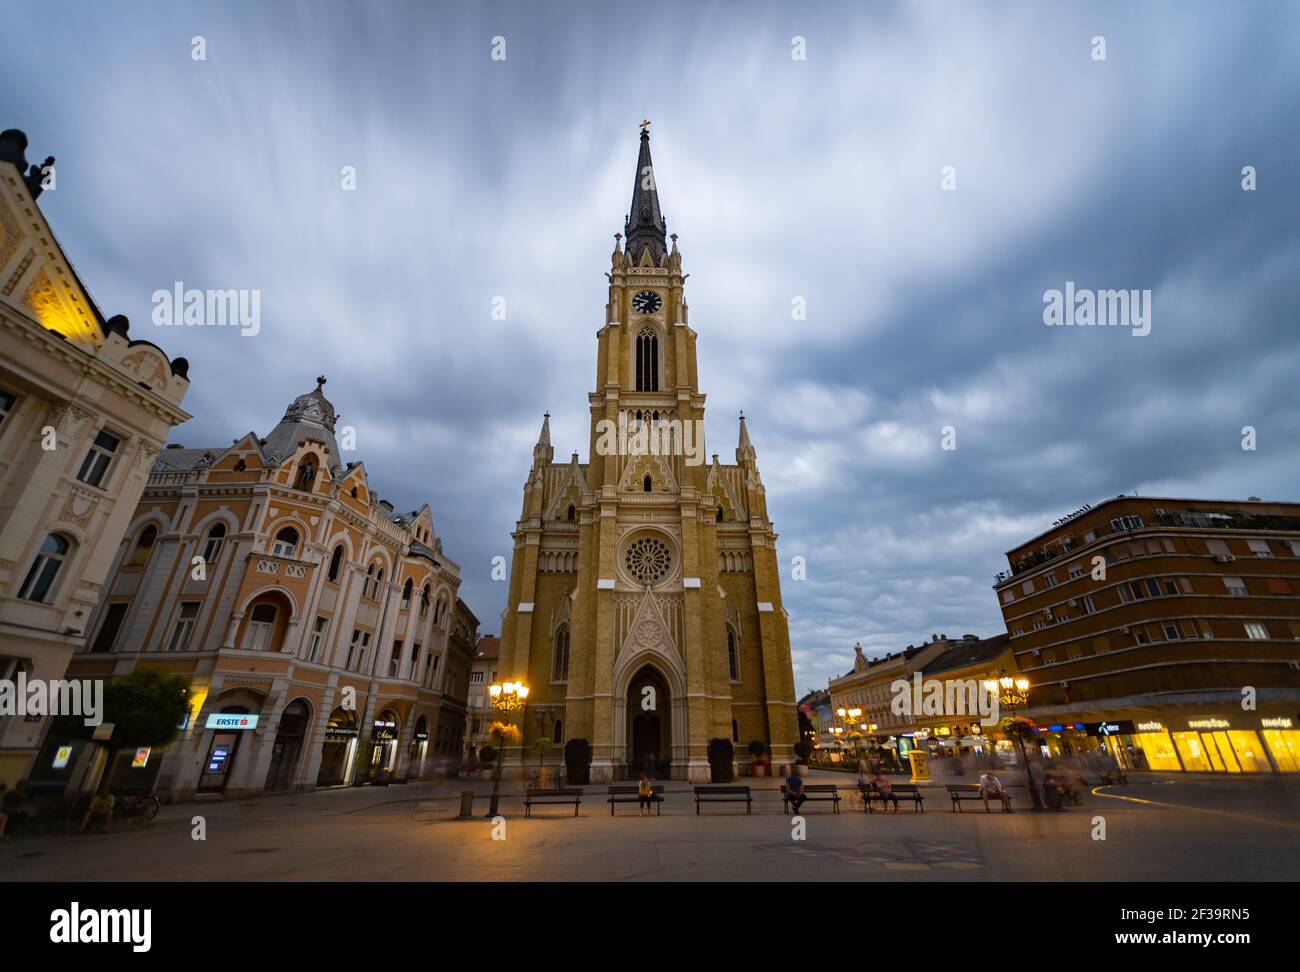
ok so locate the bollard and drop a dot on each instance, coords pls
(466, 804)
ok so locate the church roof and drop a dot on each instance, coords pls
(645, 225)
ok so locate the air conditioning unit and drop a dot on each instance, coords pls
(1124, 630)
(1072, 602)
(1036, 652)
(1224, 558)
(1047, 611)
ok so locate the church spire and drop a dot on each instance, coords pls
(542, 452)
(745, 448)
(645, 225)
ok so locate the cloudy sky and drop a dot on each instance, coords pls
(818, 178)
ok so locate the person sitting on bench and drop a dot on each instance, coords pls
(646, 794)
(794, 789)
(886, 791)
(990, 784)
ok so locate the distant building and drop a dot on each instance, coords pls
(84, 409)
(1168, 629)
(482, 673)
(816, 707)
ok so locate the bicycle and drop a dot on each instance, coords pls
(144, 806)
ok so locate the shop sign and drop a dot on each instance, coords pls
(1120, 727)
(421, 736)
(1150, 727)
(217, 759)
(1282, 722)
(336, 732)
(1208, 724)
(62, 756)
(103, 731)
(1061, 727)
(231, 720)
(141, 758)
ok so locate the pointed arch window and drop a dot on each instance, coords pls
(647, 360)
(306, 475)
(143, 547)
(407, 592)
(560, 659)
(573, 514)
(557, 734)
(648, 484)
(733, 658)
(336, 564)
(424, 601)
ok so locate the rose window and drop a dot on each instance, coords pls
(648, 560)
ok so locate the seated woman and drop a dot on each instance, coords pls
(885, 789)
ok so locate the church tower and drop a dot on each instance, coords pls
(645, 609)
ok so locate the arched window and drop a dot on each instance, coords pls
(407, 590)
(44, 572)
(648, 484)
(424, 601)
(379, 582)
(306, 475)
(557, 734)
(261, 626)
(212, 546)
(286, 543)
(647, 360)
(719, 514)
(735, 731)
(336, 564)
(143, 547)
(560, 660)
(573, 514)
(733, 661)
(370, 582)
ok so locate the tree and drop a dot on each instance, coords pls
(146, 707)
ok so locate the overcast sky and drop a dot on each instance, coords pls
(817, 178)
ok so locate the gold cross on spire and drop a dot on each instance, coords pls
(645, 123)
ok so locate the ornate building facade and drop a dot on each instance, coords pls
(645, 604)
(83, 412)
(320, 630)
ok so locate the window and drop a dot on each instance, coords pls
(408, 589)
(1236, 586)
(143, 547)
(1087, 606)
(1260, 548)
(286, 543)
(1075, 570)
(1126, 523)
(415, 663)
(1171, 587)
(7, 402)
(648, 484)
(557, 732)
(317, 638)
(44, 571)
(1050, 578)
(1153, 587)
(336, 564)
(560, 661)
(573, 514)
(365, 647)
(733, 662)
(1040, 625)
(1141, 636)
(369, 583)
(1217, 548)
(306, 475)
(261, 626)
(184, 625)
(98, 459)
(212, 546)
(1027, 587)
(1171, 631)
(395, 662)
(352, 648)
(113, 618)
(379, 583)
(1257, 632)
(1007, 596)
(647, 360)
(475, 678)
(424, 601)
(1276, 585)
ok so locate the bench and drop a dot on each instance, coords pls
(564, 795)
(722, 794)
(971, 791)
(632, 794)
(813, 791)
(903, 791)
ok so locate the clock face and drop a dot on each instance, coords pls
(647, 302)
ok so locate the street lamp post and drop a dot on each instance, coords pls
(1012, 692)
(506, 697)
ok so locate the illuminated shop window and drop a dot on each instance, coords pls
(1284, 744)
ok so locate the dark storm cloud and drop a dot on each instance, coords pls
(817, 179)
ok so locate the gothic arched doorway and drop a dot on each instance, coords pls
(649, 725)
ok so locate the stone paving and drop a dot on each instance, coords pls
(1183, 829)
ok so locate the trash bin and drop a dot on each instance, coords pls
(466, 804)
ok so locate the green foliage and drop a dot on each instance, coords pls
(757, 748)
(487, 755)
(803, 749)
(145, 707)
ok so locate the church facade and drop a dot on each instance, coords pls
(644, 610)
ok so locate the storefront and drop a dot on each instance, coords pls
(229, 727)
(383, 741)
(339, 748)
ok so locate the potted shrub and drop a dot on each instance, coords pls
(758, 757)
(802, 749)
(577, 762)
(722, 757)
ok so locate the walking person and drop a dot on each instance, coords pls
(646, 794)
